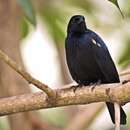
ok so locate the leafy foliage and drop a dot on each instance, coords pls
(124, 58)
(28, 10)
(115, 2)
(55, 18)
(24, 28)
(54, 15)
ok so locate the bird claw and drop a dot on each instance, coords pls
(74, 87)
(95, 84)
(125, 81)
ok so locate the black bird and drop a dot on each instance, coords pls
(89, 60)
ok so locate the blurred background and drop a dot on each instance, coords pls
(32, 32)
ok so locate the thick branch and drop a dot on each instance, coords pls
(111, 93)
(26, 75)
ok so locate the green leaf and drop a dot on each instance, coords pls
(124, 58)
(115, 2)
(28, 10)
(53, 18)
(24, 28)
(82, 4)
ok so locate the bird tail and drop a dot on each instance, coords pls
(110, 107)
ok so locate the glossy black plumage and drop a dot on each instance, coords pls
(88, 58)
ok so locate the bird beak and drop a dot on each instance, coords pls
(81, 20)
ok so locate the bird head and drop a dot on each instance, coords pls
(76, 24)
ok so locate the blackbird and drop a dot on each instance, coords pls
(89, 60)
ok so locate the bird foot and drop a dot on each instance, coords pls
(95, 84)
(125, 81)
(74, 87)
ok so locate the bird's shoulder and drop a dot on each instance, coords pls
(94, 39)
(88, 39)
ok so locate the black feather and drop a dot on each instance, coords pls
(88, 58)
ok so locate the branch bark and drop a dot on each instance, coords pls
(103, 93)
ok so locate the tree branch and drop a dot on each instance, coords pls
(119, 93)
(111, 93)
(26, 75)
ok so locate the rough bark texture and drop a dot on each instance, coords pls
(10, 82)
(68, 96)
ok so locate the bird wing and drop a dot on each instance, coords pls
(103, 59)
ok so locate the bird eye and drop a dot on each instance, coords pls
(77, 19)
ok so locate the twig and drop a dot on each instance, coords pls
(26, 75)
(65, 97)
(117, 116)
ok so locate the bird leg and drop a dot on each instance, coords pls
(95, 84)
(74, 87)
